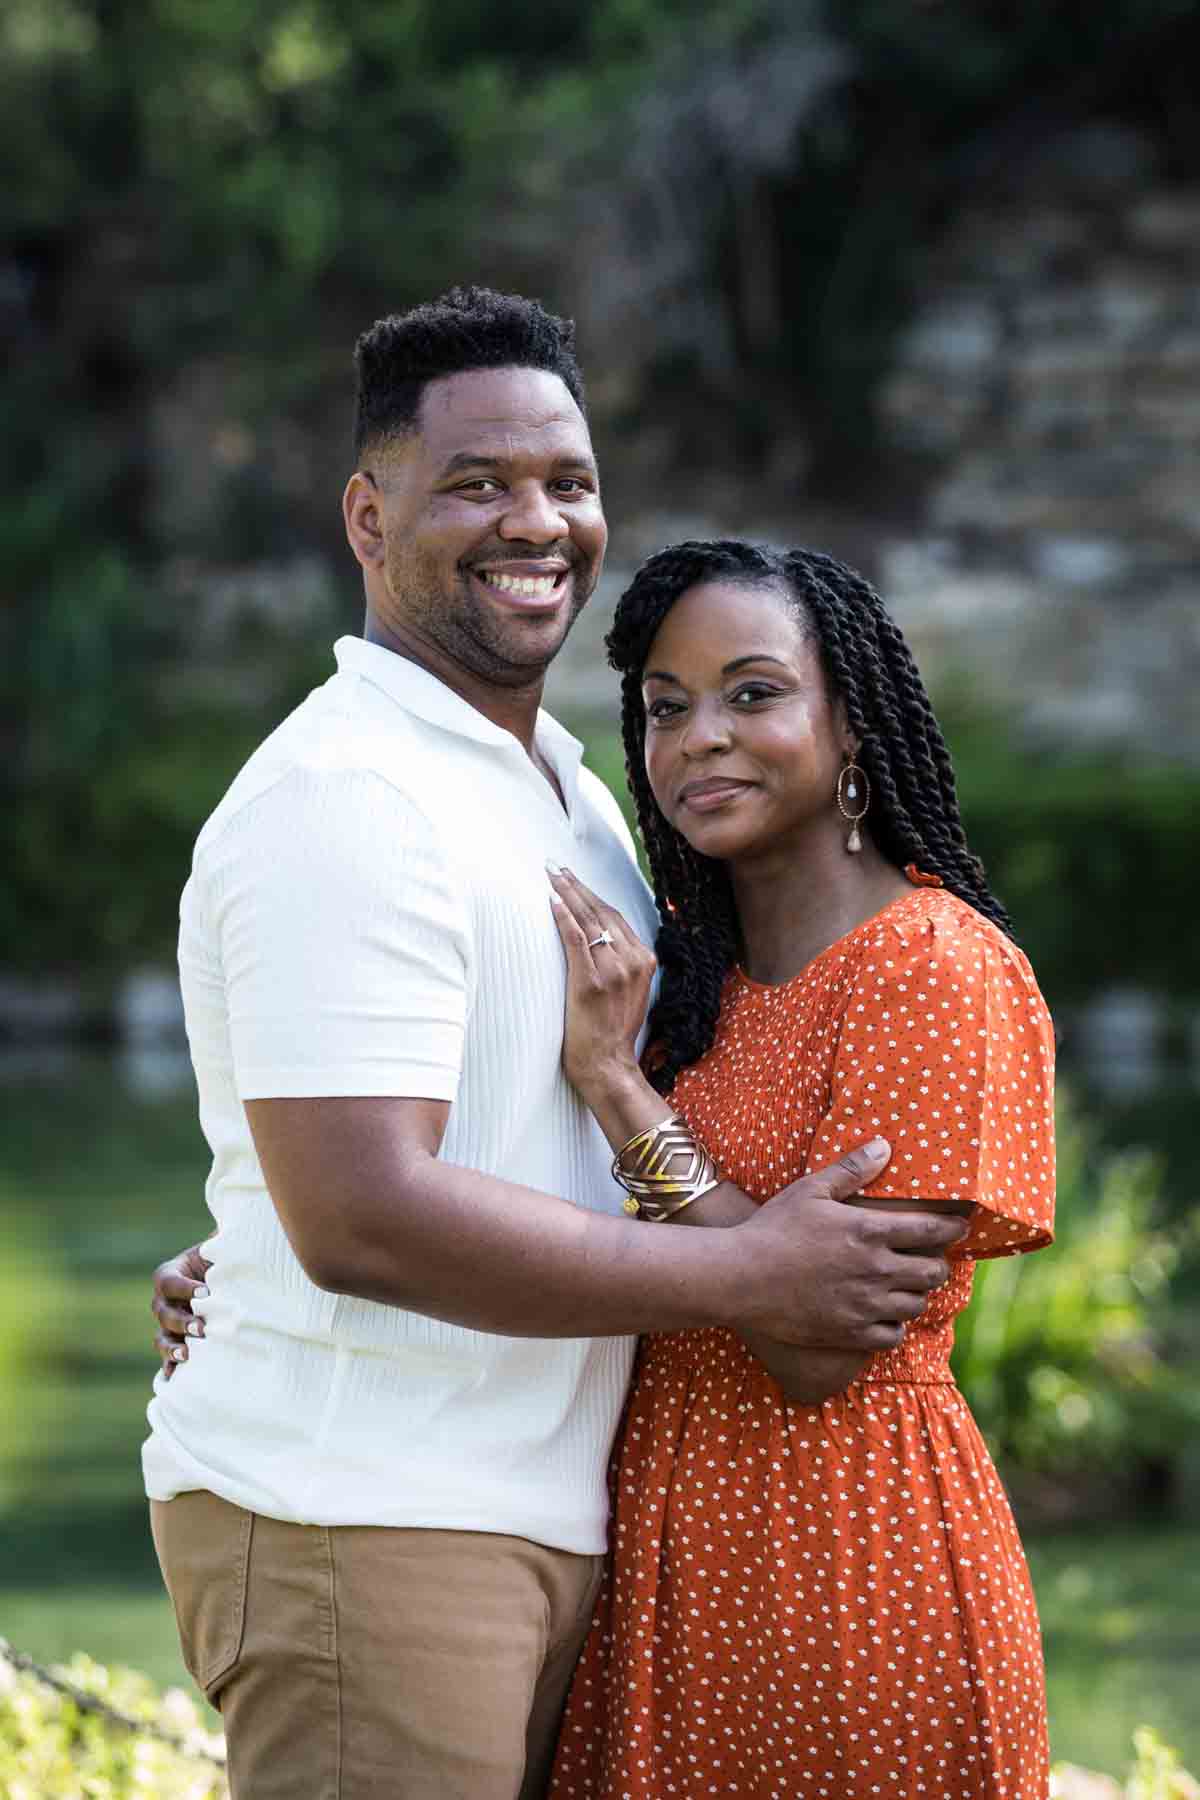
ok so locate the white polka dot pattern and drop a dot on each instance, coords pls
(832, 1601)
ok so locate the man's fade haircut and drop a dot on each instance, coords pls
(465, 328)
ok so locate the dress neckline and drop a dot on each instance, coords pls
(921, 883)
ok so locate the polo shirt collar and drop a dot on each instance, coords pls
(422, 694)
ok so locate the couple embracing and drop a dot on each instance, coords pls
(458, 1173)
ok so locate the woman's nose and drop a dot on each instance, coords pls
(706, 732)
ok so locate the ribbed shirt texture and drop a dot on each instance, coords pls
(368, 914)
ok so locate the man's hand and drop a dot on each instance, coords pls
(176, 1284)
(819, 1272)
(805, 1374)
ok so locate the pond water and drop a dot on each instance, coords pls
(101, 1175)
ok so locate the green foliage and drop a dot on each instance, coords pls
(1158, 1773)
(53, 1749)
(205, 202)
(1085, 850)
(1060, 1354)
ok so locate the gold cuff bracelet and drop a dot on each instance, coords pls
(663, 1169)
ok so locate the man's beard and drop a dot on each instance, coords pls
(492, 649)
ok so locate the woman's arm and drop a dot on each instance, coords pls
(609, 976)
(176, 1284)
(608, 987)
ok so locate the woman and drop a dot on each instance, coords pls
(823, 1595)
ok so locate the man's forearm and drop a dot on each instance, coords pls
(371, 1210)
(472, 1250)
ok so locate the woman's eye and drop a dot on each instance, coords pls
(750, 692)
(662, 710)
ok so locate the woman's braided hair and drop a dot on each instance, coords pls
(914, 814)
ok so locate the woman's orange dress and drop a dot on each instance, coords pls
(832, 1601)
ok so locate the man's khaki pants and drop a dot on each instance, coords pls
(357, 1662)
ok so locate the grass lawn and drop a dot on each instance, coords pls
(1121, 1620)
(96, 1186)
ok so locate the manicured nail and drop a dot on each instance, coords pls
(878, 1147)
(552, 868)
(200, 1293)
(195, 1328)
(179, 1354)
(556, 903)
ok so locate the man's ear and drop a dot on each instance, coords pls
(363, 515)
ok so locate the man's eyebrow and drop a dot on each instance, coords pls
(479, 459)
(470, 459)
(730, 668)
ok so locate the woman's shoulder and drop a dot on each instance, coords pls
(935, 932)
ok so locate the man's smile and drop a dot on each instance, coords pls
(530, 585)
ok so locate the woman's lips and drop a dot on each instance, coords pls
(710, 796)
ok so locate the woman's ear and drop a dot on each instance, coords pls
(849, 739)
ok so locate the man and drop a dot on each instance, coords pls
(378, 1486)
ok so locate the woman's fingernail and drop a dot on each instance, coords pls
(556, 903)
(195, 1328)
(200, 1293)
(879, 1147)
(179, 1353)
(552, 868)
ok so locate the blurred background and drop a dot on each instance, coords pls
(915, 283)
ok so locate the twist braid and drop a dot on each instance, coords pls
(915, 818)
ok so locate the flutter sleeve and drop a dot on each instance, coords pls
(946, 1049)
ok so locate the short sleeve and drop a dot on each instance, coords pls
(340, 941)
(946, 1049)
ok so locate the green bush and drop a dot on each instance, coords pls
(52, 1748)
(1060, 1353)
(1156, 1775)
(1091, 853)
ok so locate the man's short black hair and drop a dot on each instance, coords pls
(466, 328)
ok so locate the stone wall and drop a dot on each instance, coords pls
(1052, 376)
(1048, 389)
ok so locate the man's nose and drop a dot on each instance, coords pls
(533, 516)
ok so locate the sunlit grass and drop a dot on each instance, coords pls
(114, 1623)
(1121, 1620)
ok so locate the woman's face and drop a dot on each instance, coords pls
(743, 745)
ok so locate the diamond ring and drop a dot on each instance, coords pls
(606, 937)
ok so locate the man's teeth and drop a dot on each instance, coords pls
(535, 586)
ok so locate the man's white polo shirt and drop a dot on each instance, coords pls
(368, 914)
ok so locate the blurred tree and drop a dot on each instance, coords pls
(205, 201)
(755, 254)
